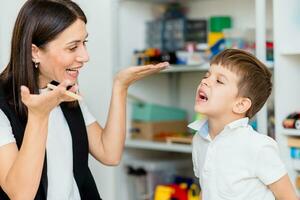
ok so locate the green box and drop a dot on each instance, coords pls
(218, 23)
(153, 113)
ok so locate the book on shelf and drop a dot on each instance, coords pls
(293, 142)
(295, 153)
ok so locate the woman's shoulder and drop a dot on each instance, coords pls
(6, 135)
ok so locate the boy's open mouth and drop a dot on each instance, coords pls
(202, 96)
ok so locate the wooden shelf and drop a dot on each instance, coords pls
(159, 146)
(198, 68)
(186, 68)
(291, 132)
(158, 1)
(290, 52)
(296, 164)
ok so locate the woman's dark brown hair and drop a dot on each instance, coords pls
(38, 22)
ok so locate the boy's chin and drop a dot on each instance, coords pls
(200, 109)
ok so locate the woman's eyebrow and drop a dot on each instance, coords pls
(77, 41)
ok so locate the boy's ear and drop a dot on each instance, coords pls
(35, 53)
(242, 105)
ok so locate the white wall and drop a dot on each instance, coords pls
(95, 80)
(8, 10)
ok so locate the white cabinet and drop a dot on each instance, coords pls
(287, 71)
(177, 85)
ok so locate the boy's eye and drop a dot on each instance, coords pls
(218, 81)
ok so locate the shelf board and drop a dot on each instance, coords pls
(198, 68)
(186, 68)
(290, 52)
(159, 146)
(291, 132)
(160, 1)
(296, 164)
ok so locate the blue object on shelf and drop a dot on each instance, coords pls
(295, 153)
(153, 112)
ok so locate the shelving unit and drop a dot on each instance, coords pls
(291, 132)
(199, 68)
(287, 72)
(178, 89)
(158, 146)
(177, 85)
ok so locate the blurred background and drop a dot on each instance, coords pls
(187, 33)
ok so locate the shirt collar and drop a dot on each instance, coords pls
(238, 123)
(201, 126)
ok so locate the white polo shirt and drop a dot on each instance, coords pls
(237, 164)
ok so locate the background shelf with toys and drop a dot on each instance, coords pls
(187, 34)
(287, 72)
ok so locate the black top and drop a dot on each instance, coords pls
(82, 174)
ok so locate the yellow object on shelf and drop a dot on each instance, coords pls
(298, 182)
(194, 192)
(163, 192)
(214, 37)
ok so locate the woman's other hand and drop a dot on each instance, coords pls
(42, 104)
(129, 75)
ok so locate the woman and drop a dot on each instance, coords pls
(45, 136)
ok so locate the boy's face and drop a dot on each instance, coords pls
(217, 93)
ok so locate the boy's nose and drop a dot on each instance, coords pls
(204, 82)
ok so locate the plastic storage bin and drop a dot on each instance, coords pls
(152, 112)
(141, 186)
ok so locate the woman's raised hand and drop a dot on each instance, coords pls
(129, 75)
(42, 104)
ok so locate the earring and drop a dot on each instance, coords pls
(36, 64)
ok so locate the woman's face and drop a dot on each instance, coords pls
(63, 57)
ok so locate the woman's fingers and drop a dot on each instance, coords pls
(159, 66)
(25, 94)
(74, 89)
(151, 69)
(128, 76)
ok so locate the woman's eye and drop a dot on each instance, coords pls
(73, 48)
(84, 42)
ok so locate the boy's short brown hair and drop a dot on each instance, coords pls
(254, 77)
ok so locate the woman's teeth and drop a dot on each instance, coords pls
(72, 69)
(73, 72)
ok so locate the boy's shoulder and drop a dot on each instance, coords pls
(256, 139)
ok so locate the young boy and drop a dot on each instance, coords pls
(231, 160)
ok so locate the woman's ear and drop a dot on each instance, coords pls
(242, 105)
(35, 53)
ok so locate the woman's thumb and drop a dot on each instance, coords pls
(24, 93)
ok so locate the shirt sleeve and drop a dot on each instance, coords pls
(6, 135)
(269, 167)
(88, 117)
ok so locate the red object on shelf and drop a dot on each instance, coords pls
(180, 193)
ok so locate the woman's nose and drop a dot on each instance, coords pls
(83, 55)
